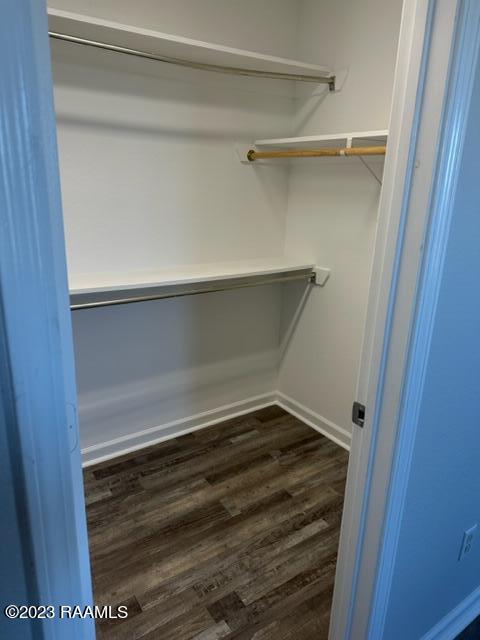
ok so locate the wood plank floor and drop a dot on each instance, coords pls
(229, 532)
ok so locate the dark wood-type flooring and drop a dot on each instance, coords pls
(229, 532)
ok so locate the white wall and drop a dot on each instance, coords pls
(149, 172)
(150, 178)
(268, 26)
(360, 38)
(332, 203)
(151, 364)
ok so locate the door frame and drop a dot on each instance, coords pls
(37, 378)
(438, 47)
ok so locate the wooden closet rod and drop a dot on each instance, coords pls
(253, 155)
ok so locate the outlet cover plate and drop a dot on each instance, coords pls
(467, 541)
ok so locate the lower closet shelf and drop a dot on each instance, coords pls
(108, 289)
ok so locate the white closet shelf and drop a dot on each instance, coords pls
(179, 50)
(352, 139)
(122, 288)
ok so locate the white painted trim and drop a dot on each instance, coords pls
(154, 435)
(326, 427)
(456, 620)
(348, 597)
(420, 81)
(443, 162)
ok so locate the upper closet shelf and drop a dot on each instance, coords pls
(363, 143)
(356, 139)
(123, 288)
(163, 47)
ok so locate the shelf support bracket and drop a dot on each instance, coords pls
(320, 276)
(369, 169)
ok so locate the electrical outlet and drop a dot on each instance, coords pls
(467, 541)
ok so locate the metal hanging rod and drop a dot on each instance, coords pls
(203, 66)
(253, 154)
(91, 304)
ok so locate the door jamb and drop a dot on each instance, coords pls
(38, 378)
(422, 66)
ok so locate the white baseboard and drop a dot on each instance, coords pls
(457, 620)
(154, 435)
(327, 428)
